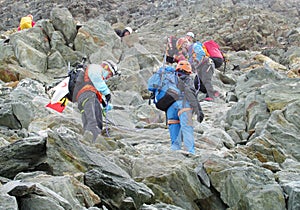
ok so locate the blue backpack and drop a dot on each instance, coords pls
(163, 85)
(196, 52)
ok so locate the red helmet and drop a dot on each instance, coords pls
(184, 66)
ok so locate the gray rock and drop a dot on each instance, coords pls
(64, 22)
(22, 155)
(115, 190)
(8, 202)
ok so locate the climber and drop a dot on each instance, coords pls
(26, 22)
(204, 68)
(89, 90)
(190, 37)
(175, 94)
(182, 46)
(179, 114)
(127, 31)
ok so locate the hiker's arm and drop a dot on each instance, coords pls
(98, 82)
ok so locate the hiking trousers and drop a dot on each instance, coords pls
(180, 125)
(91, 113)
(206, 71)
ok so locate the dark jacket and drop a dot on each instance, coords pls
(121, 33)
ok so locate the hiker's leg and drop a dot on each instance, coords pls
(206, 78)
(202, 87)
(98, 113)
(218, 62)
(174, 126)
(89, 118)
(187, 129)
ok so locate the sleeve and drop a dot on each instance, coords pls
(95, 76)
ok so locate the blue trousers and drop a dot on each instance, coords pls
(181, 126)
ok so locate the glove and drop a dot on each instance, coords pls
(108, 97)
(103, 103)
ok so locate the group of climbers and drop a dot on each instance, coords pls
(180, 103)
(204, 58)
(191, 58)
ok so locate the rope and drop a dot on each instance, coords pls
(113, 124)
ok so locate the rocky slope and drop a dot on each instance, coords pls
(247, 148)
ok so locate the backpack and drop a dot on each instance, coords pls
(163, 85)
(73, 74)
(171, 49)
(26, 22)
(214, 52)
(196, 52)
(71, 79)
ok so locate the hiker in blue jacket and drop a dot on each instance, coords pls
(179, 114)
(90, 91)
(204, 68)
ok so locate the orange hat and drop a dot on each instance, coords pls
(184, 66)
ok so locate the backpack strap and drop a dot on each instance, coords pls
(183, 110)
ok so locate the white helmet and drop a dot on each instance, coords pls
(191, 34)
(112, 66)
(129, 29)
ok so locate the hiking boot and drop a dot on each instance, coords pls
(186, 153)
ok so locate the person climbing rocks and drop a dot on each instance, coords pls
(204, 68)
(127, 31)
(91, 92)
(179, 114)
(26, 22)
(182, 46)
(190, 36)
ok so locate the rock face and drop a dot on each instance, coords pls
(247, 147)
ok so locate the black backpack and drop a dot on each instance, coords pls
(73, 74)
(171, 49)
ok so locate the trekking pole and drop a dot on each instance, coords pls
(224, 58)
(106, 119)
(165, 55)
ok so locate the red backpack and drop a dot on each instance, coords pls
(213, 51)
